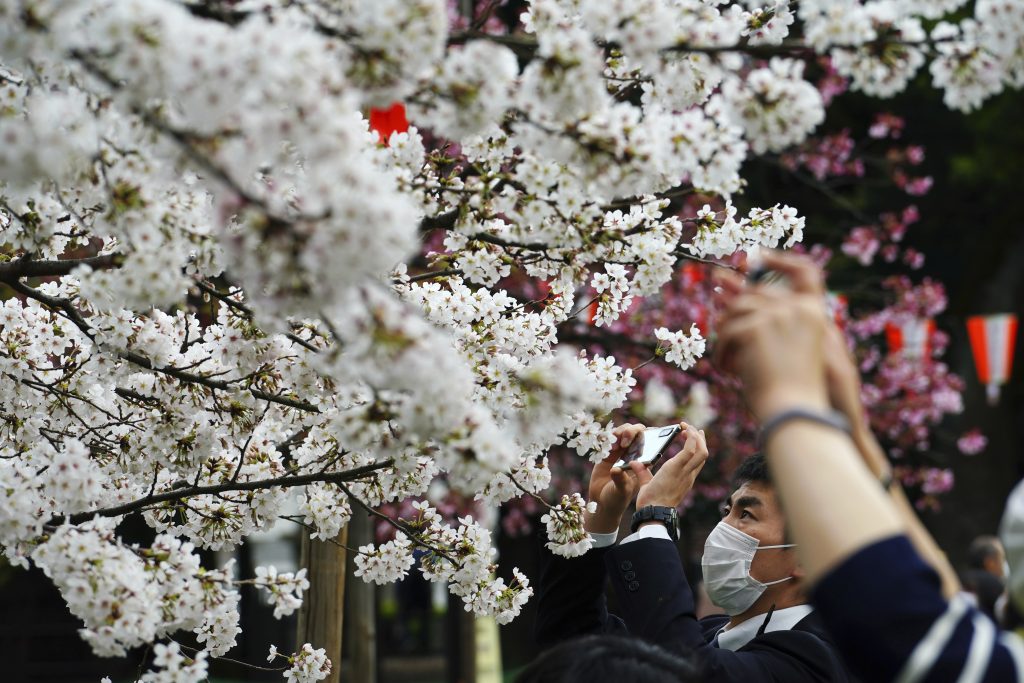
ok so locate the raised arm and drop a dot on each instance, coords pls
(883, 605)
(844, 393)
(570, 600)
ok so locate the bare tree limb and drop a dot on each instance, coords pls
(435, 274)
(285, 481)
(18, 268)
(444, 221)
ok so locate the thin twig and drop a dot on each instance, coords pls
(409, 533)
(533, 495)
(310, 527)
(645, 363)
(229, 660)
(687, 256)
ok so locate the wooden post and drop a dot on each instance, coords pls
(467, 646)
(459, 643)
(323, 606)
(361, 606)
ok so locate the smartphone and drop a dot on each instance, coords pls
(773, 278)
(649, 445)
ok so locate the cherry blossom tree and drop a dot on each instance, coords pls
(216, 296)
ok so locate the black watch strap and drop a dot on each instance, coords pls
(657, 513)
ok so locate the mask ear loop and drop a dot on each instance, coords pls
(772, 583)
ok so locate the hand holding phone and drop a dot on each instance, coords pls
(648, 447)
(675, 477)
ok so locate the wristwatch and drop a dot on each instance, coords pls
(657, 513)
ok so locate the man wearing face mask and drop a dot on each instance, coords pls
(769, 632)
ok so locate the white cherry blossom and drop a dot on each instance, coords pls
(227, 286)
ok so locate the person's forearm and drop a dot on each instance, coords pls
(834, 505)
(602, 521)
(923, 542)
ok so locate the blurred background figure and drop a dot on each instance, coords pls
(985, 577)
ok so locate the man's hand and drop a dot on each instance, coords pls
(841, 373)
(612, 488)
(842, 377)
(774, 339)
(675, 478)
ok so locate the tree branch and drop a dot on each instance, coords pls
(444, 221)
(833, 196)
(53, 303)
(527, 47)
(75, 316)
(24, 267)
(433, 274)
(285, 481)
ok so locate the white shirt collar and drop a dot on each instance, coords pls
(781, 620)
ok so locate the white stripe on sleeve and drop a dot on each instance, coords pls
(928, 650)
(1013, 645)
(980, 654)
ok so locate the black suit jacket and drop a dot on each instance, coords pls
(657, 604)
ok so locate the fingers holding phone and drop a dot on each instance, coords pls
(648, 446)
(675, 478)
(612, 488)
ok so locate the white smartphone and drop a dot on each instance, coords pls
(649, 445)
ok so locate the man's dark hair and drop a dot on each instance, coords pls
(608, 659)
(753, 469)
(982, 548)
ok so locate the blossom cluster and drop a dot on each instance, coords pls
(308, 665)
(285, 589)
(683, 348)
(463, 556)
(565, 532)
(779, 226)
(171, 666)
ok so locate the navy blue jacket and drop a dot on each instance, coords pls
(885, 609)
(657, 604)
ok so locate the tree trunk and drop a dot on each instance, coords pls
(323, 606)
(467, 646)
(361, 606)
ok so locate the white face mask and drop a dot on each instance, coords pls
(728, 553)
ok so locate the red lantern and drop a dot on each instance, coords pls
(692, 274)
(388, 121)
(992, 342)
(911, 337)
